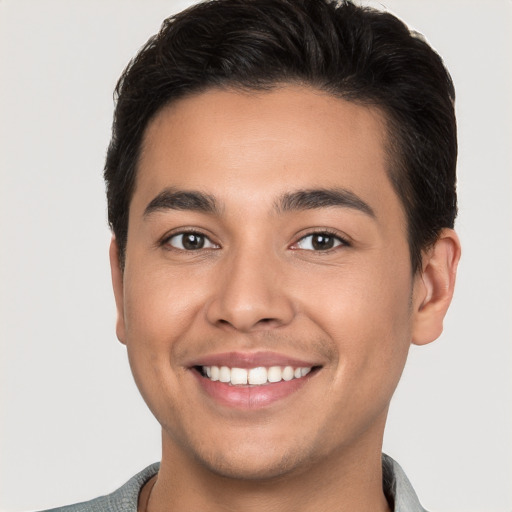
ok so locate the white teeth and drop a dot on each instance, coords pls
(238, 376)
(275, 374)
(254, 376)
(258, 375)
(288, 373)
(304, 371)
(224, 374)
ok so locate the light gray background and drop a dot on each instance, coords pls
(72, 423)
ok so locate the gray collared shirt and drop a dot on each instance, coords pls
(397, 488)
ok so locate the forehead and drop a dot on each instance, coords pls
(225, 142)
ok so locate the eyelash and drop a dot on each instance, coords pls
(342, 242)
(164, 242)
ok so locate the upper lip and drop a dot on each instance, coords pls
(251, 360)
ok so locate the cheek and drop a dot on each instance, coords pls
(367, 315)
(155, 320)
(370, 326)
(159, 309)
(159, 305)
(374, 296)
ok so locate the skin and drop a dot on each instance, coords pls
(259, 285)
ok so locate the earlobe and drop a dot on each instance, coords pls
(117, 284)
(434, 287)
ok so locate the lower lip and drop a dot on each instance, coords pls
(250, 397)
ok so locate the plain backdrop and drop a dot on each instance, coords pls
(72, 423)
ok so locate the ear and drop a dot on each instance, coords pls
(433, 289)
(117, 284)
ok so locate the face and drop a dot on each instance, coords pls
(267, 298)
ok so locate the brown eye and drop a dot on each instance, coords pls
(190, 241)
(322, 242)
(319, 242)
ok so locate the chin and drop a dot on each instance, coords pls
(263, 467)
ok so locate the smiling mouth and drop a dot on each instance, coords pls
(259, 376)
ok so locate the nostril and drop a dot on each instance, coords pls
(222, 321)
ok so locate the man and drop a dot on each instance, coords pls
(281, 190)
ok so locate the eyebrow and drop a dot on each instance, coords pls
(322, 198)
(173, 199)
(192, 200)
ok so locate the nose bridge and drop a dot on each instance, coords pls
(249, 293)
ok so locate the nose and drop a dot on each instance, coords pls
(250, 294)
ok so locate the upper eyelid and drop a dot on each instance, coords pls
(325, 231)
(165, 241)
(183, 231)
(315, 231)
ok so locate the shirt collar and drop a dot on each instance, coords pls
(397, 488)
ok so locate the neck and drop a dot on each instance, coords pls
(348, 480)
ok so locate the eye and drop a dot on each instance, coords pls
(320, 242)
(190, 241)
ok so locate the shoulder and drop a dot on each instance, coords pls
(123, 500)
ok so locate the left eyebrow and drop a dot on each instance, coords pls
(322, 198)
(174, 199)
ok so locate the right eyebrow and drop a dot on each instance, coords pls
(311, 199)
(174, 199)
